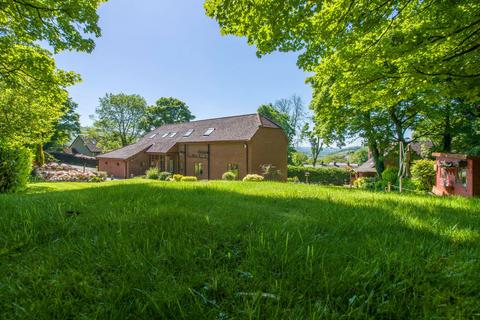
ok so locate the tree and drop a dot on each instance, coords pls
(119, 116)
(166, 111)
(67, 126)
(430, 46)
(295, 109)
(316, 143)
(358, 156)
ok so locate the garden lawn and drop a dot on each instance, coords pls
(141, 249)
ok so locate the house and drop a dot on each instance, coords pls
(457, 174)
(205, 149)
(84, 145)
(368, 169)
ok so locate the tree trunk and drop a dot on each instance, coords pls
(377, 157)
(447, 133)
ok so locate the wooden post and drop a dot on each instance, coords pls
(400, 186)
(389, 187)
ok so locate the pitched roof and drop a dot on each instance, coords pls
(160, 140)
(89, 143)
(368, 166)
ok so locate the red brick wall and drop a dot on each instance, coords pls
(138, 164)
(114, 167)
(268, 146)
(223, 153)
(473, 179)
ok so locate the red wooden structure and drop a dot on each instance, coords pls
(457, 174)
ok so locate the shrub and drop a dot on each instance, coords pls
(389, 175)
(369, 183)
(229, 175)
(271, 173)
(164, 175)
(423, 174)
(15, 168)
(253, 177)
(334, 176)
(188, 179)
(177, 177)
(293, 179)
(152, 173)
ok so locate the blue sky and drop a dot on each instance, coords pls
(170, 48)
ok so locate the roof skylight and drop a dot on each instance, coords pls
(153, 136)
(209, 131)
(172, 134)
(188, 133)
(165, 134)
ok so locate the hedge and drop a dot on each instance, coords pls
(322, 175)
(15, 168)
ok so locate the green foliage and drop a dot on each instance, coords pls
(361, 183)
(66, 127)
(229, 175)
(164, 175)
(189, 179)
(299, 158)
(390, 175)
(423, 174)
(253, 178)
(15, 168)
(293, 179)
(119, 117)
(271, 173)
(316, 143)
(152, 173)
(358, 156)
(166, 111)
(177, 177)
(330, 176)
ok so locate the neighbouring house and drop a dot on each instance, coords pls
(457, 174)
(205, 149)
(367, 169)
(84, 145)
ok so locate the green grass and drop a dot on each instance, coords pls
(230, 250)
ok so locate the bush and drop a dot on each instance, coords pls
(369, 183)
(15, 168)
(389, 175)
(188, 179)
(164, 175)
(177, 177)
(253, 178)
(152, 173)
(293, 180)
(334, 176)
(423, 174)
(271, 173)
(229, 175)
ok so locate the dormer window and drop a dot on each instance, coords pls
(188, 133)
(172, 134)
(209, 131)
(165, 134)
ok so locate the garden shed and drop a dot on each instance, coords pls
(457, 174)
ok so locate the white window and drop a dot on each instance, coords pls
(209, 131)
(172, 134)
(153, 136)
(165, 134)
(188, 133)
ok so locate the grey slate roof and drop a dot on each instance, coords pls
(88, 143)
(234, 128)
(368, 166)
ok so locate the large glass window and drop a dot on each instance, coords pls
(209, 131)
(198, 169)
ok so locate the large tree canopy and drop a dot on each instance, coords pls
(120, 115)
(429, 45)
(166, 111)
